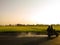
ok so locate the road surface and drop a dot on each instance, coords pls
(29, 40)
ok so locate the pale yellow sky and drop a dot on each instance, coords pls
(30, 11)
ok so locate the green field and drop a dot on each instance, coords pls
(26, 28)
(22, 28)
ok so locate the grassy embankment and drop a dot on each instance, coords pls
(41, 29)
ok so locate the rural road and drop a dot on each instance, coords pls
(29, 40)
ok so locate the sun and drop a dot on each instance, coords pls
(41, 19)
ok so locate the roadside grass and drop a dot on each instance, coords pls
(22, 28)
(41, 29)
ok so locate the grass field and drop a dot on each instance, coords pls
(22, 28)
(26, 28)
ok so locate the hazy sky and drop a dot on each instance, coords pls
(30, 11)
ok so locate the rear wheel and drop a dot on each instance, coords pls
(57, 35)
(49, 36)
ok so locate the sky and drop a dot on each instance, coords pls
(30, 11)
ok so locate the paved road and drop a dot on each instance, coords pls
(29, 40)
